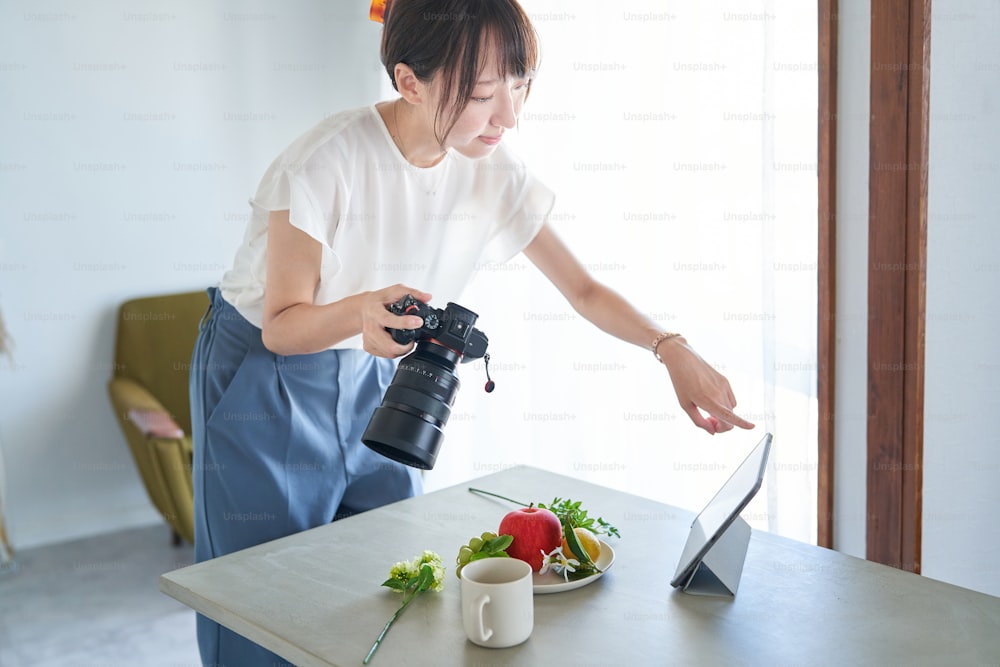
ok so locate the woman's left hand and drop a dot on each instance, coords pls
(700, 387)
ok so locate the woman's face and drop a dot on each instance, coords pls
(493, 109)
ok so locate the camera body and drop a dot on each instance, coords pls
(408, 425)
(451, 327)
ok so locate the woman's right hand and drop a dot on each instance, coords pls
(376, 317)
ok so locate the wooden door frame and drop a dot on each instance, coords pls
(897, 271)
(898, 169)
(826, 267)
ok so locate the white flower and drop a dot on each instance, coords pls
(547, 558)
(559, 563)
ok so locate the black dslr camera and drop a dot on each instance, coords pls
(408, 425)
(451, 327)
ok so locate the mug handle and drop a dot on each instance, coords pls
(484, 632)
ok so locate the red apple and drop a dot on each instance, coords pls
(534, 530)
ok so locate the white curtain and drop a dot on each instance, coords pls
(680, 139)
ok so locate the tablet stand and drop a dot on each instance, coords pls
(719, 572)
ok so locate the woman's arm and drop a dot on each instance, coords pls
(294, 325)
(697, 384)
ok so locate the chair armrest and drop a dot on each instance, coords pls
(142, 409)
(155, 423)
(164, 463)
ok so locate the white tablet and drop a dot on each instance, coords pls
(722, 510)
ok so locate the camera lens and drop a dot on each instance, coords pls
(408, 425)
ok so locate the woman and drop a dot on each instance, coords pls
(403, 197)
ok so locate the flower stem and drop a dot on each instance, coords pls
(382, 634)
(497, 495)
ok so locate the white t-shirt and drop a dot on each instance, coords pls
(382, 221)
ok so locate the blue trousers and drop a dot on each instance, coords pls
(277, 449)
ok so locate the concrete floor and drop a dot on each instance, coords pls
(96, 603)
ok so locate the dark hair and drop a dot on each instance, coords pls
(452, 38)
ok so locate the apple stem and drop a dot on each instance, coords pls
(497, 495)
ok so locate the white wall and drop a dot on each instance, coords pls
(961, 540)
(850, 408)
(132, 136)
(681, 150)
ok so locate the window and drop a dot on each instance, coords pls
(680, 139)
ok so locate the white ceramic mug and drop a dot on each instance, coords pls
(498, 606)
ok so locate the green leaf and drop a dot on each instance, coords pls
(607, 527)
(395, 584)
(581, 573)
(426, 578)
(572, 512)
(498, 543)
(498, 553)
(574, 545)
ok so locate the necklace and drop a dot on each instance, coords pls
(398, 137)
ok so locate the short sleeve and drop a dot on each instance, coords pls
(287, 190)
(532, 203)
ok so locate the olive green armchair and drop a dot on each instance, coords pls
(149, 394)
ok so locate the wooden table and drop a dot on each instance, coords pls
(315, 598)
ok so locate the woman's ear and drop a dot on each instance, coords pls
(409, 86)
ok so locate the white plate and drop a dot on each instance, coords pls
(550, 582)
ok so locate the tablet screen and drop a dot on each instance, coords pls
(725, 506)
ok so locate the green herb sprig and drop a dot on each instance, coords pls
(570, 513)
